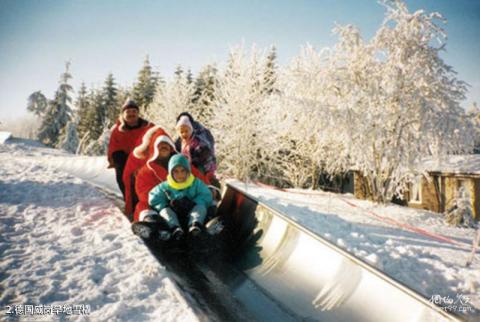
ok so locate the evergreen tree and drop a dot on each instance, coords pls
(110, 103)
(204, 95)
(122, 95)
(58, 113)
(99, 111)
(96, 116)
(178, 71)
(144, 89)
(68, 140)
(37, 103)
(189, 76)
(82, 106)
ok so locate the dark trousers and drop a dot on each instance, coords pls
(133, 193)
(119, 160)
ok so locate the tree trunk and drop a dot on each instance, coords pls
(315, 177)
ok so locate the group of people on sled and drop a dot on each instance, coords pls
(170, 188)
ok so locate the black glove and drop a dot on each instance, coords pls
(182, 206)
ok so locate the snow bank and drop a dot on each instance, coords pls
(65, 246)
(385, 237)
(4, 136)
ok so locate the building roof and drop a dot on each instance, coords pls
(466, 164)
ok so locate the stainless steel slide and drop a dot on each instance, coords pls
(282, 271)
(312, 278)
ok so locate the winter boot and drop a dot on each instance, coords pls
(164, 235)
(195, 229)
(214, 226)
(152, 218)
(178, 234)
(151, 226)
(145, 230)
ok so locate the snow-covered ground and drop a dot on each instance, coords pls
(413, 246)
(4, 136)
(67, 251)
(64, 243)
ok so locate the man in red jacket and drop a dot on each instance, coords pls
(126, 134)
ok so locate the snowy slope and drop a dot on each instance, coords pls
(388, 238)
(62, 243)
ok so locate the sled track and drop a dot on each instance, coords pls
(276, 270)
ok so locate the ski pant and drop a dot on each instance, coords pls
(198, 214)
(119, 160)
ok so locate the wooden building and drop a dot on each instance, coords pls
(438, 188)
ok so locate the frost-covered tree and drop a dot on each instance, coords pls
(68, 139)
(461, 212)
(238, 112)
(411, 97)
(376, 106)
(296, 144)
(270, 71)
(171, 99)
(58, 113)
(473, 113)
(146, 85)
(302, 114)
(37, 103)
(98, 146)
(379, 105)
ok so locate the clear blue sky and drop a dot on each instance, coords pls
(102, 36)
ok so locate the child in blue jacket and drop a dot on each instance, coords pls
(182, 195)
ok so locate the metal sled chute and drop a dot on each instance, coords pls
(279, 270)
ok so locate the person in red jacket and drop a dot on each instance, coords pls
(125, 136)
(135, 161)
(155, 170)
